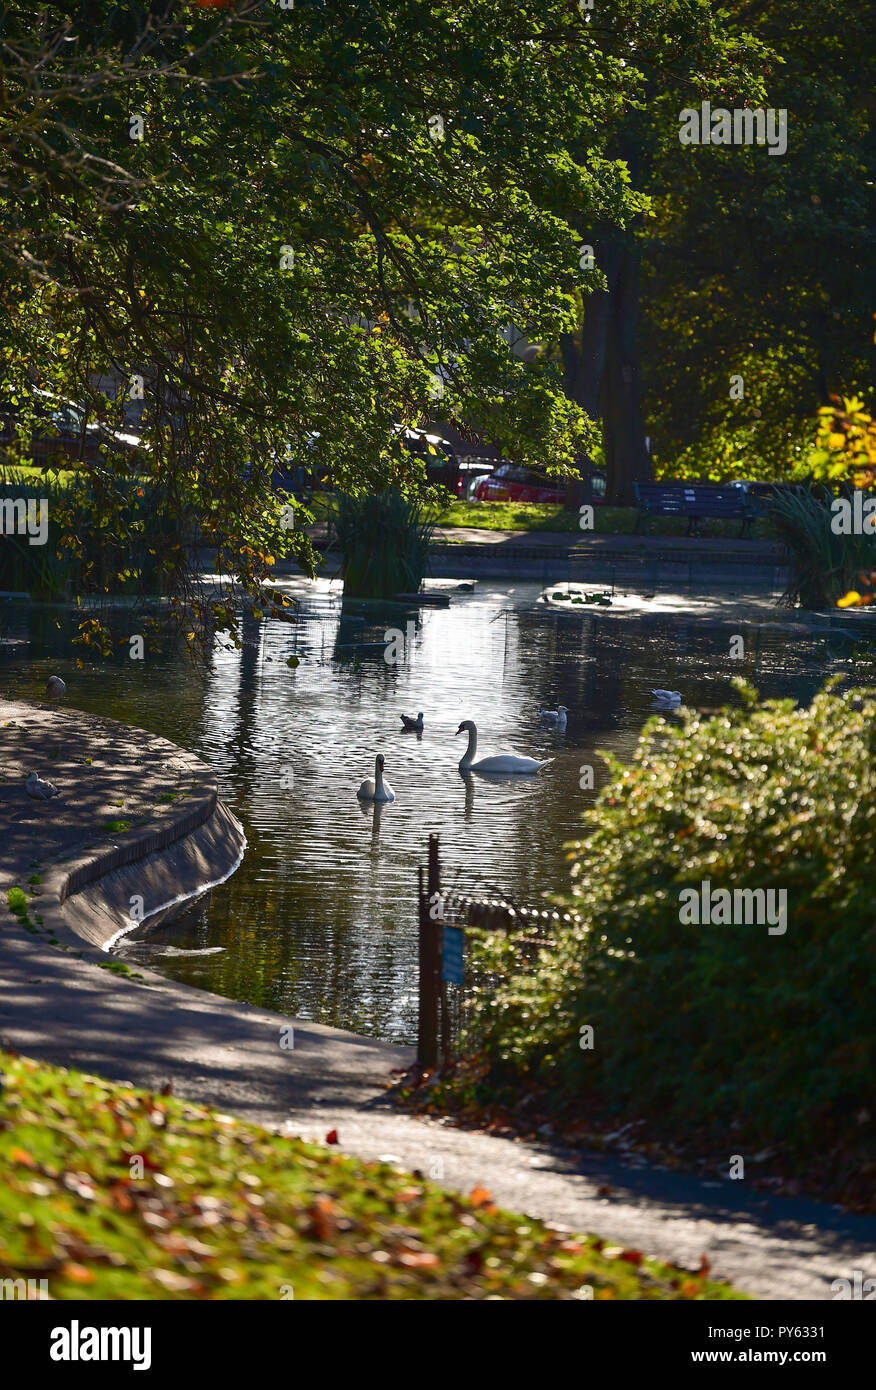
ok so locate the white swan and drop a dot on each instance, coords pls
(376, 790)
(667, 697)
(410, 724)
(55, 688)
(555, 717)
(501, 762)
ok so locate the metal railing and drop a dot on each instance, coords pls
(447, 977)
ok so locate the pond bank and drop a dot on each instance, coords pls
(80, 880)
(460, 552)
(656, 561)
(136, 830)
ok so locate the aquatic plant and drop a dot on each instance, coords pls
(824, 565)
(384, 542)
(107, 538)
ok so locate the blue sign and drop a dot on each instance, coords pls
(451, 955)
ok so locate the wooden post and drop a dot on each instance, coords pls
(427, 1027)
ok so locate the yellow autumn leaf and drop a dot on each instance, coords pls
(849, 600)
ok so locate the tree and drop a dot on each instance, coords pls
(665, 55)
(762, 267)
(750, 266)
(332, 215)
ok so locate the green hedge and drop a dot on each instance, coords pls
(743, 1033)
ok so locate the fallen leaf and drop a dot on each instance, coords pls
(120, 1198)
(480, 1197)
(322, 1215)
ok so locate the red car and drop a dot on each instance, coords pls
(511, 483)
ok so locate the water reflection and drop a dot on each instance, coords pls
(320, 919)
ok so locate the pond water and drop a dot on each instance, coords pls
(320, 919)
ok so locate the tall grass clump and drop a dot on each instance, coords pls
(824, 566)
(725, 1032)
(384, 542)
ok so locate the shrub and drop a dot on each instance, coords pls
(713, 1026)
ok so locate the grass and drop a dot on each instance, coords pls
(30, 473)
(118, 967)
(609, 521)
(25, 473)
(531, 516)
(111, 1193)
(16, 901)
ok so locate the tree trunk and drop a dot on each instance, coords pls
(601, 369)
(627, 460)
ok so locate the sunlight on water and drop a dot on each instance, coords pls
(320, 920)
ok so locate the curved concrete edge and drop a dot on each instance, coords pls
(130, 899)
(89, 900)
(100, 891)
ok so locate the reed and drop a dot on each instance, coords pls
(105, 541)
(824, 566)
(384, 542)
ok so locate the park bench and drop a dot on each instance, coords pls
(694, 500)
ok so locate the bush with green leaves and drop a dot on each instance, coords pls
(729, 1030)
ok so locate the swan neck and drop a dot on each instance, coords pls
(472, 745)
(378, 778)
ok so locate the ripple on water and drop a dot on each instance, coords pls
(320, 919)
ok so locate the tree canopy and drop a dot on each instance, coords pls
(298, 231)
(763, 267)
(299, 227)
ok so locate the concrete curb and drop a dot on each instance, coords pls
(83, 888)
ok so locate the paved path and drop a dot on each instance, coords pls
(228, 1055)
(701, 547)
(58, 1005)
